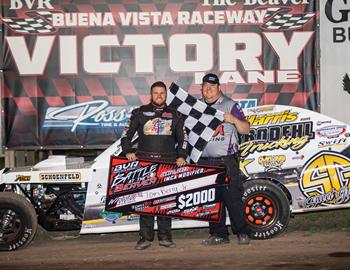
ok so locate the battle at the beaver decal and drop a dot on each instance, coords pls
(164, 189)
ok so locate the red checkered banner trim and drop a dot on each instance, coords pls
(73, 71)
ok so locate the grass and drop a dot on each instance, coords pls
(325, 221)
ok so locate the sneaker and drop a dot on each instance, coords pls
(167, 243)
(243, 239)
(142, 244)
(215, 240)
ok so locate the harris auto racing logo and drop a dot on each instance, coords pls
(325, 180)
(286, 116)
(92, 114)
(49, 21)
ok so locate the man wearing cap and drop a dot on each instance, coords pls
(162, 137)
(223, 150)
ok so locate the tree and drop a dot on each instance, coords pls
(346, 83)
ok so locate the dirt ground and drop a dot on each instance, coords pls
(294, 250)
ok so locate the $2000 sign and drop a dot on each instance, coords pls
(164, 189)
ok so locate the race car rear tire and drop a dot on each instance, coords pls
(266, 208)
(18, 221)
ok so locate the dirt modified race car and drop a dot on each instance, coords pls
(293, 160)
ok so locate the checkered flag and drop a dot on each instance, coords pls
(274, 10)
(201, 119)
(286, 21)
(45, 14)
(36, 25)
(39, 23)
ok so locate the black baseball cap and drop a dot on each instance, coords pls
(211, 78)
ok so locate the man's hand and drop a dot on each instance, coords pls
(230, 118)
(180, 161)
(131, 156)
(242, 126)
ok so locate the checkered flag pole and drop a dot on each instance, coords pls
(201, 119)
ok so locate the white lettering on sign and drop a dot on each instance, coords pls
(245, 48)
(39, 4)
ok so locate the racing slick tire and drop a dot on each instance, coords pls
(266, 208)
(18, 221)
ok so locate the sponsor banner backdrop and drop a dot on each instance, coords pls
(335, 49)
(164, 189)
(73, 71)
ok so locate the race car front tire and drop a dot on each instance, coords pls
(266, 208)
(18, 221)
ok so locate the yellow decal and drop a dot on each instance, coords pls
(272, 162)
(22, 178)
(263, 109)
(284, 143)
(243, 164)
(272, 118)
(326, 179)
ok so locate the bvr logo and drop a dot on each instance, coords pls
(17, 4)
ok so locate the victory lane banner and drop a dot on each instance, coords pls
(74, 70)
(164, 189)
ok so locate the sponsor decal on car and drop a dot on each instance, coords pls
(262, 109)
(325, 180)
(243, 165)
(332, 131)
(271, 163)
(300, 157)
(22, 178)
(292, 136)
(319, 123)
(284, 143)
(272, 118)
(59, 176)
(332, 143)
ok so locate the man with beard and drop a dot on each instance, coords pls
(159, 129)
